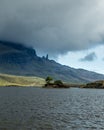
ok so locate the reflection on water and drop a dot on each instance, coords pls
(51, 109)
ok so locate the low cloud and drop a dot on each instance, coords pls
(53, 26)
(90, 57)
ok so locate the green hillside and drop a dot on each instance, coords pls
(11, 80)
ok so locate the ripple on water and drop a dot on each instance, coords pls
(51, 109)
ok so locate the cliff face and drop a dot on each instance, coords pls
(17, 59)
(15, 53)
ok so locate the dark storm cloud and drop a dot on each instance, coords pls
(54, 26)
(90, 57)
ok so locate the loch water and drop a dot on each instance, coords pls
(51, 109)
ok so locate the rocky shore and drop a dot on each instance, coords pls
(52, 85)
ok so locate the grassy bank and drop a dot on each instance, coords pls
(23, 81)
(96, 84)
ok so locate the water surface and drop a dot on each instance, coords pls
(51, 109)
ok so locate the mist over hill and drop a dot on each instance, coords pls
(18, 59)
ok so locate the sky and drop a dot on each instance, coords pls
(91, 59)
(70, 31)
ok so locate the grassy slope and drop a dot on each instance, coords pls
(12, 80)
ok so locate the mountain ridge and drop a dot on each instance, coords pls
(18, 59)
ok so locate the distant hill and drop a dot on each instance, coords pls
(17, 59)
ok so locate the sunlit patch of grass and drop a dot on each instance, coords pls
(12, 80)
